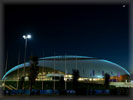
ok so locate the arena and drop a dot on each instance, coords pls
(90, 69)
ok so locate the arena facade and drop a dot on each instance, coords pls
(90, 69)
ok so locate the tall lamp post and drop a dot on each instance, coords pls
(26, 37)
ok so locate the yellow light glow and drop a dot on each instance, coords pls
(90, 79)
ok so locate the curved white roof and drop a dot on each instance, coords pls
(87, 66)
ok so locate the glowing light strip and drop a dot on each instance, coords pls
(15, 68)
(67, 56)
(117, 66)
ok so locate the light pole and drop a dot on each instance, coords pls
(26, 37)
(65, 74)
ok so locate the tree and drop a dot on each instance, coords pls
(62, 82)
(106, 80)
(21, 82)
(62, 85)
(33, 72)
(75, 80)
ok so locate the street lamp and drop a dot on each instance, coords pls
(26, 37)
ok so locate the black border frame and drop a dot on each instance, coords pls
(3, 2)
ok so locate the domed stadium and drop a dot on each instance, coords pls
(90, 69)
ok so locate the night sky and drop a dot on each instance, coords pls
(99, 31)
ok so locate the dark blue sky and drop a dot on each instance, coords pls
(87, 30)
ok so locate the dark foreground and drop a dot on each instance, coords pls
(84, 92)
(85, 89)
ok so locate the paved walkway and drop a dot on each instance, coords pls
(122, 84)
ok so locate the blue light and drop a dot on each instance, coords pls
(15, 68)
(67, 56)
(99, 76)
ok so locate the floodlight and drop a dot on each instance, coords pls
(24, 36)
(28, 36)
